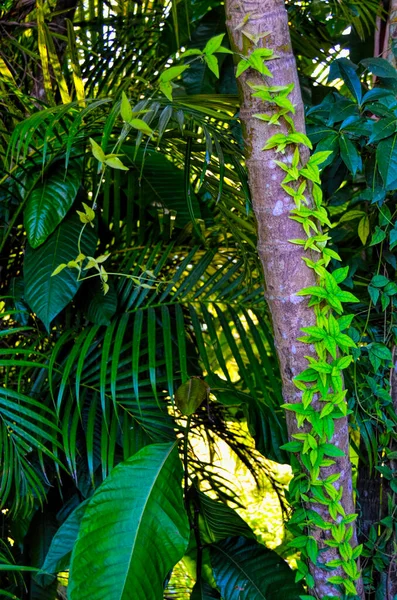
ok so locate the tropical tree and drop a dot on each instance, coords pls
(134, 326)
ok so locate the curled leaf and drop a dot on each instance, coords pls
(190, 395)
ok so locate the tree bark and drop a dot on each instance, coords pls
(386, 34)
(284, 271)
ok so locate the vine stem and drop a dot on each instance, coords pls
(185, 455)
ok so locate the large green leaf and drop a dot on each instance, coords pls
(134, 530)
(47, 295)
(60, 551)
(247, 570)
(49, 202)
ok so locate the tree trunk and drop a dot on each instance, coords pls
(386, 34)
(392, 571)
(285, 272)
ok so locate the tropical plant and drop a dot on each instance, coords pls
(134, 325)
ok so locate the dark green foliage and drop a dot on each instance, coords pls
(246, 570)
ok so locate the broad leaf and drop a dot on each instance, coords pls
(247, 570)
(137, 525)
(49, 202)
(47, 295)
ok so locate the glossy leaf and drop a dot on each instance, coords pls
(49, 202)
(47, 295)
(138, 526)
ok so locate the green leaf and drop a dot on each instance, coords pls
(346, 70)
(60, 551)
(379, 281)
(242, 66)
(380, 350)
(393, 238)
(115, 163)
(363, 229)
(140, 501)
(349, 154)
(191, 52)
(212, 63)
(292, 447)
(340, 274)
(47, 295)
(141, 125)
(383, 129)
(213, 44)
(126, 110)
(379, 67)
(378, 236)
(172, 73)
(386, 156)
(97, 151)
(166, 88)
(246, 570)
(49, 202)
(332, 450)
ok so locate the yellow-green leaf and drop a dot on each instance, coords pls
(97, 151)
(59, 268)
(141, 125)
(363, 229)
(126, 110)
(115, 163)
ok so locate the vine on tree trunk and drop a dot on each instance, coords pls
(321, 383)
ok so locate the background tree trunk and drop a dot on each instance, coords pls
(285, 272)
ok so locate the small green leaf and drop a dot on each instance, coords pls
(213, 44)
(379, 281)
(97, 151)
(172, 73)
(364, 229)
(141, 125)
(378, 236)
(126, 110)
(332, 450)
(115, 163)
(212, 63)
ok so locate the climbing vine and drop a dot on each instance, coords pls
(321, 383)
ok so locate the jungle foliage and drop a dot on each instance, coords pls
(133, 320)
